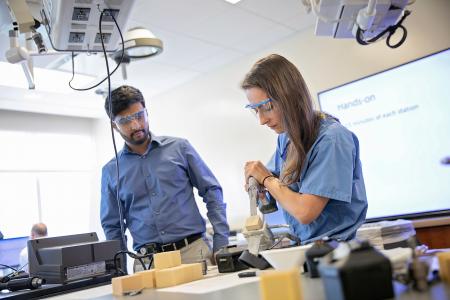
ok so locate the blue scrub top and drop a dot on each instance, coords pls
(332, 169)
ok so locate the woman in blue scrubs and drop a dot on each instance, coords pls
(315, 174)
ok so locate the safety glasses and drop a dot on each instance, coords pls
(140, 116)
(262, 107)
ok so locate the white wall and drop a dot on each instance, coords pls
(46, 167)
(209, 110)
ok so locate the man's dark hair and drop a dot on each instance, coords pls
(122, 98)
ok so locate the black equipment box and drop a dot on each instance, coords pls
(68, 258)
(228, 260)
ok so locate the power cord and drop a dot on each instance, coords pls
(9, 267)
(135, 256)
(122, 225)
(108, 78)
(390, 31)
(296, 240)
(16, 274)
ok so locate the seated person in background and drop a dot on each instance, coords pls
(1, 235)
(316, 173)
(157, 177)
(38, 230)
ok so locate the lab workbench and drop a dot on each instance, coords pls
(216, 286)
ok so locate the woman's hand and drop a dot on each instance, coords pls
(257, 170)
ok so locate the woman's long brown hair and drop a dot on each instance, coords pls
(284, 84)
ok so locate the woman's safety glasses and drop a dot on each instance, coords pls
(262, 107)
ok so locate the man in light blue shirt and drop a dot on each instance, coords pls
(157, 177)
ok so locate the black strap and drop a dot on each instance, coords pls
(157, 247)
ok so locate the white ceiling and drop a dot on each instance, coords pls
(198, 35)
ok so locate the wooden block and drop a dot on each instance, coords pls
(178, 275)
(164, 260)
(253, 223)
(148, 278)
(444, 266)
(285, 285)
(126, 284)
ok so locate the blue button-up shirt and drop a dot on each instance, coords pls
(156, 193)
(332, 169)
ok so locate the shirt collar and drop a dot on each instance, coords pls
(156, 142)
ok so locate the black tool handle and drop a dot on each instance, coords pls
(247, 274)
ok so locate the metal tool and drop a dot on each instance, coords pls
(259, 237)
(266, 204)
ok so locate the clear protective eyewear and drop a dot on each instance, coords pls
(140, 116)
(262, 107)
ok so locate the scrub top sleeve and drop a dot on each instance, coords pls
(329, 170)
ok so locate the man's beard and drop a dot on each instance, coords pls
(136, 142)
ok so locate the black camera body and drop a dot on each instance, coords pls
(228, 260)
(364, 273)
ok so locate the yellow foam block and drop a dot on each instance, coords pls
(148, 278)
(167, 259)
(253, 223)
(444, 266)
(125, 284)
(178, 275)
(285, 285)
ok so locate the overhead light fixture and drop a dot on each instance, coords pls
(233, 1)
(139, 42)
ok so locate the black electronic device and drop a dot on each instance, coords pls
(68, 258)
(363, 273)
(22, 284)
(317, 251)
(253, 261)
(228, 260)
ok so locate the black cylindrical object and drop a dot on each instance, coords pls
(22, 284)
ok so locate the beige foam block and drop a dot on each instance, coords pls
(284, 285)
(444, 266)
(178, 275)
(126, 284)
(253, 223)
(167, 259)
(148, 278)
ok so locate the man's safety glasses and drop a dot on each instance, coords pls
(125, 121)
(262, 107)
